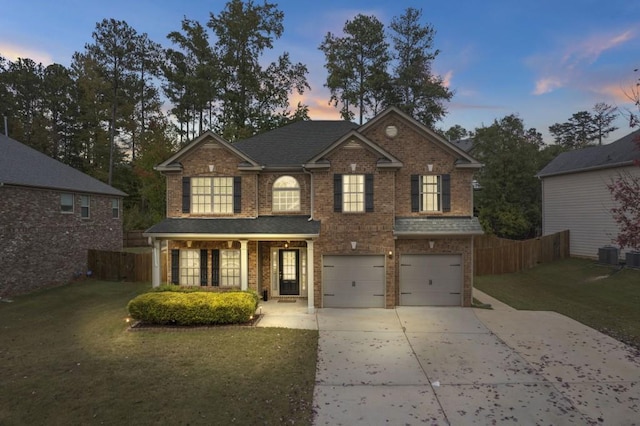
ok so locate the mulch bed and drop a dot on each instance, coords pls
(141, 326)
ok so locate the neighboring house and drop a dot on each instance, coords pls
(575, 194)
(377, 215)
(51, 214)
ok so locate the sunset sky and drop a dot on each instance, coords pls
(543, 60)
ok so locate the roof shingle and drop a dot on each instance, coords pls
(620, 153)
(24, 166)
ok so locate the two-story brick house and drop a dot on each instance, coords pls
(51, 214)
(377, 215)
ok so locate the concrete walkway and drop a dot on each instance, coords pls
(460, 366)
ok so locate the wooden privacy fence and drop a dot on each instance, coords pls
(121, 266)
(493, 255)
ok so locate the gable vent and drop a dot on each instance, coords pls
(352, 145)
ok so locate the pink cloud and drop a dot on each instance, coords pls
(446, 79)
(12, 52)
(569, 65)
(590, 49)
(547, 85)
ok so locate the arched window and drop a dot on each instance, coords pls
(286, 194)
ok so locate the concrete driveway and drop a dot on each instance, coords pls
(462, 366)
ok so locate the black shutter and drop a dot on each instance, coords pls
(237, 194)
(175, 266)
(446, 193)
(415, 193)
(368, 193)
(337, 193)
(186, 194)
(203, 267)
(215, 268)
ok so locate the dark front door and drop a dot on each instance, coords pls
(289, 277)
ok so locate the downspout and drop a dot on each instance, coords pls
(311, 192)
(257, 197)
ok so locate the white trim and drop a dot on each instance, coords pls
(244, 265)
(218, 237)
(310, 278)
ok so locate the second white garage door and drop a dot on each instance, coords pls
(430, 280)
(353, 281)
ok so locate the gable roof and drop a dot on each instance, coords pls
(21, 165)
(620, 153)
(172, 164)
(464, 159)
(294, 144)
(387, 159)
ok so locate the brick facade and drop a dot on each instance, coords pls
(373, 232)
(41, 246)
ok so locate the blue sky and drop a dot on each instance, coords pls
(543, 60)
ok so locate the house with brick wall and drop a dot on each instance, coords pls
(51, 215)
(341, 215)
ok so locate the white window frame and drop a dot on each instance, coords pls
(286, 194)
(212, 195)
(230, 268)
(189, 267)
(115, 208)
(430, 193)
(85, 206)
(64, 208)
(353, 196)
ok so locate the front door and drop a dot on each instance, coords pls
(289, 276)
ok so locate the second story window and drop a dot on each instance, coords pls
(115, 208)
(352, 193)
(430, 193)
(286, 194)
(85, 203)
(212, 195)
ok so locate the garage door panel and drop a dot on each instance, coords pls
(430, 280)
(353, 281)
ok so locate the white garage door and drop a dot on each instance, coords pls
(430, 280)
(353, 281)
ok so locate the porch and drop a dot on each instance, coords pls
(272, 254)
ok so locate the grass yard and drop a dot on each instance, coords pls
(67, 358)
(601, 297)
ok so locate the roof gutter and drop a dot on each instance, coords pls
(436, 234)
(588, 169)
(226, 237)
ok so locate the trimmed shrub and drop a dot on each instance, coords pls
(193, 307)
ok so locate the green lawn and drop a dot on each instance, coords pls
(601, 297)
(67, 358)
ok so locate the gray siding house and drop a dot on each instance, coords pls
(51, 215)
(575, 194)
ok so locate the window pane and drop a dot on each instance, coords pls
(115, 208)
(223, 195)
(430, 193)
(85, 202)
(353, 193)
(212, 195)
(286, 194)
(189, 267)
(230, 268)
(66, 203)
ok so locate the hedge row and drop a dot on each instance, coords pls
(193, 307)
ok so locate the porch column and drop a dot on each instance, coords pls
(155, 263)
(310, 287)
(244, 265)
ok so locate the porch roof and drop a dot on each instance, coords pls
(262, 227)
(436, 226)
